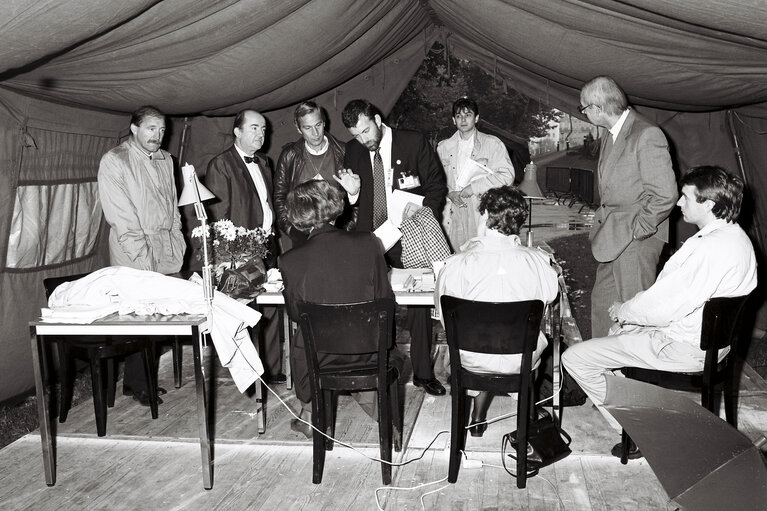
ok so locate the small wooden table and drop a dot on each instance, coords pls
(130, 325)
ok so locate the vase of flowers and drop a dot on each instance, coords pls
(237, 257)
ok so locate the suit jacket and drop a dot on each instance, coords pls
(411, 153)
(637, 188)
(333, 266)
(236, 196)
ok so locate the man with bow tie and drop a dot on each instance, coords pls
(241, 180)
(138, 197)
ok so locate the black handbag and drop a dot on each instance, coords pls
(547, 444)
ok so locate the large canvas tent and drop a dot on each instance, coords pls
(72, 70)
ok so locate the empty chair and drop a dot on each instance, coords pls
(719, 329)
(337, 330)
(493, 328)
(97, 349)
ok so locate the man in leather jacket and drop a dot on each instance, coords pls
(316, 155)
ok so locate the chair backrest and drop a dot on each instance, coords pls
(348, 328)
(492, 327)
(51, 283)
(721, 319)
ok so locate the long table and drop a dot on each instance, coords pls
(130, 325)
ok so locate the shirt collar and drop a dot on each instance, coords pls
(386, 140)
(618, 125)
(712, 226)
(242, 153)
(322, 149)
(157, 155)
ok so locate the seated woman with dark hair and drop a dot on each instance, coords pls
(333, 266)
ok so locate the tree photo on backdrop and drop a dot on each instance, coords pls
(425, 104)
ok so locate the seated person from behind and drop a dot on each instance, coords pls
(496, 267)
(333, 266)
(659, 328)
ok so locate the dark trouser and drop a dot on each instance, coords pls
(269, 348)
(419, 325)
(133, 374)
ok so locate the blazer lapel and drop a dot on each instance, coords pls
(614, 153)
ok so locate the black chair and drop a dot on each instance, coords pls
(719, 329)
(351, 329)
(96, 349)
(494, 328)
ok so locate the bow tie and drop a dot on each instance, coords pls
(248, 159)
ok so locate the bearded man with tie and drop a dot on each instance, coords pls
(241, 180)
(381, 159)
(637, 191)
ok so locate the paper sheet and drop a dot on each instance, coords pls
(389, 234)
(398, 203)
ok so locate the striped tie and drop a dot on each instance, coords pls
(380, 213)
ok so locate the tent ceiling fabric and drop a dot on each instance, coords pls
(214, 57)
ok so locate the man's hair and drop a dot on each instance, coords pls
(506, 209)
(313, 204)
(239, 119)
(719, 186)
(356, 108)
(145, 111)
(604, 92)
(465, 103)
(306, 108)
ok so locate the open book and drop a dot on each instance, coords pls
(472, 172)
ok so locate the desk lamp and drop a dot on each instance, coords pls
(530, 189)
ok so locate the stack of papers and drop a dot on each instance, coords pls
(79, 314)
(415, 280)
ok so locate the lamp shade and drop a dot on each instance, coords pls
(529, 185)
(193, 191)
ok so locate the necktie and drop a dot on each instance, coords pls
(380, 213)
(248, 159)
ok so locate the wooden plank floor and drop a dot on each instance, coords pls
(145, 463)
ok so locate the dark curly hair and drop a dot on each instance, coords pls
(716, 184)
(356, 108)
(506, 209)
(313, 204)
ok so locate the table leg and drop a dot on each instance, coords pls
(41, 389)
(202, 409)
(287, 331)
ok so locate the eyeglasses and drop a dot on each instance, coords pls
(582, 109)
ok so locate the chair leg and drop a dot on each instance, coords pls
(331, 405)
(318, 440)
(65, 400)
(625, 446)
(111, 382)
(524, 406)
(457, 431)
(151, 384)
(99, 405)
(178, 356)
(384, 431)
(397, 414)
(730, 393)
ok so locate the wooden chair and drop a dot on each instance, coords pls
(351, 329)
(98, 348)
(719, 329)
(493, 328)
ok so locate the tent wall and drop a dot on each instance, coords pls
(48, 151)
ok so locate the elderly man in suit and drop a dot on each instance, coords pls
(637, 192)
(241, 180)
(380, 160)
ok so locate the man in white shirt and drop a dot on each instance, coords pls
(241, 180)
(496, 267)
(660, 328)
(637, 191)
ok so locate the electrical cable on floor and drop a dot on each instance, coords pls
(378, 505)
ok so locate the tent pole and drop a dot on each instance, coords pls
(182, 142)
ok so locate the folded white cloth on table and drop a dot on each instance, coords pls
(146, 292)
(80, 314)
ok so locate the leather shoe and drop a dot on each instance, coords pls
(431, 386)
(277, 378)
(634, 452)
(142, 397)
(127, 391)
(477, 429)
